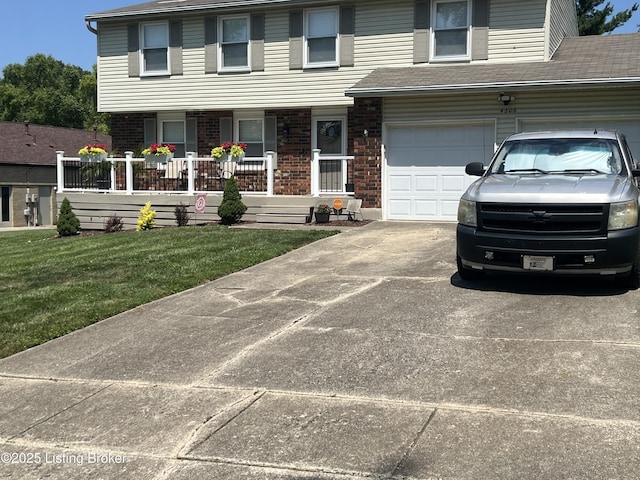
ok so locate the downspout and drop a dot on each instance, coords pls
(90, 28)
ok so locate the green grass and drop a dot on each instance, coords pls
(51, 286)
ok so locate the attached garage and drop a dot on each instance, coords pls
(425, 177)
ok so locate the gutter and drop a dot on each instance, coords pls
(164, 7)
(410, 90)
(90, 27)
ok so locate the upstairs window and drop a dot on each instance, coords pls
(234, 44)
(155, 48)
(451, 30)
(321, 37)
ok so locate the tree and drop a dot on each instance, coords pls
(592, 21)
(67, 224)
(46, 91)
(231, 209)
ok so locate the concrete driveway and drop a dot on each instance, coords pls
(362, 355)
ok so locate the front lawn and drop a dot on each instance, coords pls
(51, 286)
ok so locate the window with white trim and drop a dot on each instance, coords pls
(234, 43)
(155, 48)
(173, 132)
(321, 37)
(251, 132)
(451, 30)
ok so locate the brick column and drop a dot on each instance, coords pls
(366, 124)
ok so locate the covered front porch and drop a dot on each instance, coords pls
(121, 186)
(328, 175)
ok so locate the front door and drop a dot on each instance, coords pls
(329, 136)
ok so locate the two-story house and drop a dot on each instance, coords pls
(408, 91)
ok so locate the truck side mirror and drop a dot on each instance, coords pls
(475, 168)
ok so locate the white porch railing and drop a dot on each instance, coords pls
(329, 174)
(188, 175)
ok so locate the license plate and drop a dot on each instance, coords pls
(530, 262)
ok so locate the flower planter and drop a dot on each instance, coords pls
(322, 217)
(157, 158)
(94, 157)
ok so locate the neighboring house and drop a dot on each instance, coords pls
(412, 90)
(28, 170)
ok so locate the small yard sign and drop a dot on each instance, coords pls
(201, 202)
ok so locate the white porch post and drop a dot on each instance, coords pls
(128, 172)
(270, 174)
(345, 166)
(60, 171)
(191, 184)
(113, 175)
(315, 173)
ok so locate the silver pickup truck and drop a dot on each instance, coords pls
(559, 202)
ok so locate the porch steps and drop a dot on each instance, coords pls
(284, 214)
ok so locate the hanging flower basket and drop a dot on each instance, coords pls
(163, 158)
(159, 153)
(229, 151)
(96, 152)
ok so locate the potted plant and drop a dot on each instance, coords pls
(159, 153)
(93, 152)
(229, 151)
(323, 211)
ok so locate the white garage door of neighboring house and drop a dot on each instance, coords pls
(631, 128)
(425, 168)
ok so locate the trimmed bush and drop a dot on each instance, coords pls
(231, 209)
(147, 218)
(68, 224)
(182, 216)
(113, 224)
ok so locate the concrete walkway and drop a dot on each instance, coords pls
(361, 355)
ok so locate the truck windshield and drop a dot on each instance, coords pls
(559, 155)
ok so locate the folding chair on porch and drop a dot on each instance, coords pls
(353, 209)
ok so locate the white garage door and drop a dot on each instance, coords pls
(425, 168)
(631, 128)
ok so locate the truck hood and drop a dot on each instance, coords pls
(552, 188)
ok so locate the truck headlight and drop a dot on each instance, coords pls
(623, 215)
(467, 213)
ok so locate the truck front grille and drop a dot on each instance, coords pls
(545, 218)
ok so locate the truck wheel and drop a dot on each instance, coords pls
(468, 273)
(633, 281)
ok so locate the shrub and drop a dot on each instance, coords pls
(113, 224)
(231, 209)
(68, 224)
(147, 218)
(182, 216)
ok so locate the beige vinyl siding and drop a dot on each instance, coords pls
(517, 32)
(543, 105)
(388, 43)
(563, 23)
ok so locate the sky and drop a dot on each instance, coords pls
(57, 28)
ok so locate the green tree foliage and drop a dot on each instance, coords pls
(68, 224)
(231, 209)
(592, 21)
(46, 91)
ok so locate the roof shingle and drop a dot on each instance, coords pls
(37, 144)
(591, 60)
